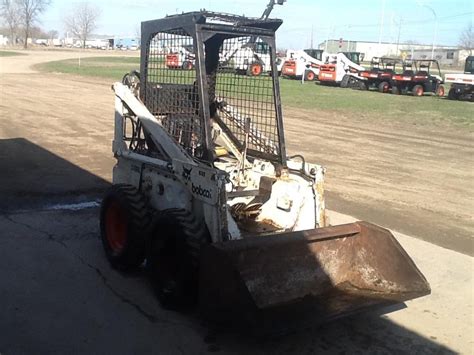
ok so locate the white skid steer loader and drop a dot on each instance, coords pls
(204, 193)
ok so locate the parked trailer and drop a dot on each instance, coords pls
(462, 85)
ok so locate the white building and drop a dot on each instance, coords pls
(445, 54)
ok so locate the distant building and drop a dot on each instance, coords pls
(3, 40)
(446, 55)
(127, 43)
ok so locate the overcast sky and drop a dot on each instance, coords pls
(352, 20)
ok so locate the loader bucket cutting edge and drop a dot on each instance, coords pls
(309, 276)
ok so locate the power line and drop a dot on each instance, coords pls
(411, 22)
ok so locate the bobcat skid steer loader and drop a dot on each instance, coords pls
(205, 194)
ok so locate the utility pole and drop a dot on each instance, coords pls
(312, 31)
(381, 23)
(435, 29)
(398, 38)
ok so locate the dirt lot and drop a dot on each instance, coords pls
(55, 147)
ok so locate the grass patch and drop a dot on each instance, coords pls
(103, 67)
(367, 105)
(427, 109)
(10, 54)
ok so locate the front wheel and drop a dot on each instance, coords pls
(345, 81)
(176, 240)
(309, 75)
(187, 65)
(124, 220)
(255, 69)
(396, 90)
(384, 87)
(440, 92)
(417, 90)
(362, 86)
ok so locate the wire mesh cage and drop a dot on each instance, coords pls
(237, 76)
(244, 92)
(171, 90)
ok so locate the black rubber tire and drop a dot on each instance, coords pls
(417, 89)
(384, 87)
(452, 95)
(345, 81)
(176, 240)
(396, 90)
(361, 85)
(127, 206)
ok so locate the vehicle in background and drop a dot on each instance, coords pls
(339, 69)
(379, 76)
(303, 63)
(180, 58)
(125, 43)
(250, 56)
(355, 57)
(462, 84)
(418, 78)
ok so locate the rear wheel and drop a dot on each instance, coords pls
(345, 81)
(440, 91)
(187, 65)
(362, 85)
(396, 90)
(309, 75)
(124, 221)
(384, 87)
(255, 69)
(173, 257)
(417, 90)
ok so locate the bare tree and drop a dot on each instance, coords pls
(10, 13)
(83, 20)
(466, 39)
(29, 13)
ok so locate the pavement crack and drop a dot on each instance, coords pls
(105, 281)
(34, 229)
(150, 317)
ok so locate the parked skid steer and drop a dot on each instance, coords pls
(204, 192)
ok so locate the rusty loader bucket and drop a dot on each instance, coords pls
(270, 283)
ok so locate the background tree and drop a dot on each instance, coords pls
(83, 20)
(466, 39)
(52, 34)
(11, 17)
(29, 11)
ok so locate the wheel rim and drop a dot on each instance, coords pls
(116, 226)
(385, 88)
(441, 91)
(310, 76)
(256, 69)
(419, 91)
(190, 66)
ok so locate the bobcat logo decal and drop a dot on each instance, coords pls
(187, 173)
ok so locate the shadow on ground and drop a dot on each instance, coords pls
(60, 295)
(32, 175)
